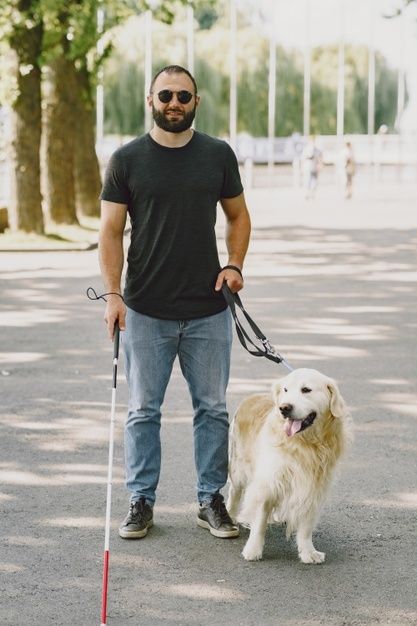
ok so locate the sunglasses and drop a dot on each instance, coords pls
(166, 95)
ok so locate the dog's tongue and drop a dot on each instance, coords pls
(292, 426)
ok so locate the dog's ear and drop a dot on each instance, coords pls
(275, 389)
(337, 404)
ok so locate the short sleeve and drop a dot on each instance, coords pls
(232, 185)
(115, 187)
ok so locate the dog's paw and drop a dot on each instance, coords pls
(252, 553)
(312, 556)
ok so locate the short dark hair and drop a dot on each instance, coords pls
(173, 69)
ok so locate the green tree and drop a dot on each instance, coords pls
(21, 26)
(61, 36)
(74, 62)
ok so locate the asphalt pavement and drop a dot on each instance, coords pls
(332, 283)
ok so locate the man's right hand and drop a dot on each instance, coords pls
(115, 312)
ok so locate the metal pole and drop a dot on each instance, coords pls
(233, 75)
(341, 77)
(371, 88)
(148, 68)
(307, 72)
(401, 73)
(401, 91)
(271, 101)
(190, 38)
(371, 72)
(100, 87)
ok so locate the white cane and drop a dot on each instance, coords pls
(109, 482)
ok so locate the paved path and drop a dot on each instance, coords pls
(333, 284)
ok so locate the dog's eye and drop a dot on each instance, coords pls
(305, 390)
(285, 389)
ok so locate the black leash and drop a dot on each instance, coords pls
(233, 300)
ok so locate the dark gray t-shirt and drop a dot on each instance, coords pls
(172, 196)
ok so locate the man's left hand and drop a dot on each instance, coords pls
(233, 279)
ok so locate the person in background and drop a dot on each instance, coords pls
(348, 168)
(312, 160)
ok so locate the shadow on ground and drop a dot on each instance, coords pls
(343, 302)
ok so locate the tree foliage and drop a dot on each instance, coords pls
(124, 88)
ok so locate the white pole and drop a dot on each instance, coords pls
(371, 89)
(341, 77)
(401, 72)
(371, 72)
(148, 68)
(401, 90)
(271, 101)
(100, 87)
(307, 72)
(190, 38)
(233, 75)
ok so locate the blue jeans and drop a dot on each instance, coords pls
(203, 347)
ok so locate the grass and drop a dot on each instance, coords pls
(56, 237)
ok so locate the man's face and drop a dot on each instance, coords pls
(173, 116)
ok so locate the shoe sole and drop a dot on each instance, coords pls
(222, 534)
(135, 534)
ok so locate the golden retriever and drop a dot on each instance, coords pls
(283, 451)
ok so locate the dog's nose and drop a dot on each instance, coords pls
(286, 409)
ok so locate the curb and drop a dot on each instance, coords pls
(86, 248)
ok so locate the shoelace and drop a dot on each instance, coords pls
(137, 508)
(217, 503)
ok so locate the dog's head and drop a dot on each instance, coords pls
(307, 399)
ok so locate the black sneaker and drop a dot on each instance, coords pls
(137, 521)
(213, 515)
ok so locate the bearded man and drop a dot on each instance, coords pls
(169, 182)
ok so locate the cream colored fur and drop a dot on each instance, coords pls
(278, 474)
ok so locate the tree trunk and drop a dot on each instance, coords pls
(26, 122)
(87, 169)
(60, 132)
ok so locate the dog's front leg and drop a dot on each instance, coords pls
(306, 549)
(233, 501)
(260, 513)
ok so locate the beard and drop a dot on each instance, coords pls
(173, 126)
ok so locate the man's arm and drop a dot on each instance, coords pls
(112, 224)
(237, 240)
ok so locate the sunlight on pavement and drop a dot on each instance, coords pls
(13, 474)
(389, 381)
(76, 522)
(189, 507)
(11, 568)
(21, 357)
(363, 309)
(205, 592)
(320, 353)
(5, 497)
(31, 317)
(32, 542)
(338, 328)
(400, 501)
(28, 479)
(405, 403)
(249, 385)
(133, 560)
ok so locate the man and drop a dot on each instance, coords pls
(169, 181)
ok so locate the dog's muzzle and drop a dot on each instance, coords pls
(292, 426)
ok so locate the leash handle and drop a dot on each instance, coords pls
(233, 300)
